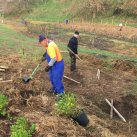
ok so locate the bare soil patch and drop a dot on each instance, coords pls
(40, 105)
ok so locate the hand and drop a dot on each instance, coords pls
(43, 59)
(76, 55)
(48, 68)
(44, 55)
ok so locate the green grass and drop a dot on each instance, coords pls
(52, 11)
(57, 11)
(60, 10)
(102, 52)
(13, 42)
(133, 88)
(17, 43)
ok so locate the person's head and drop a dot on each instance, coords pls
(76, 34)
(43, 40)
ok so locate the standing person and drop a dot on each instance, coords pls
(55, 66)
(73, 50)
(67, 21)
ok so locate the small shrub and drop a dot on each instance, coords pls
(22, 128)
(67, 105)
(3, 105)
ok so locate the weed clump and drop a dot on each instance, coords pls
(3, 105)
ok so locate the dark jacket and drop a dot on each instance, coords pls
(73, 44)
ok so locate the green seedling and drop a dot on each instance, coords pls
(3, 105)
(22, 128)
(67, 105)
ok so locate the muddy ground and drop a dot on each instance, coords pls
(91, 93)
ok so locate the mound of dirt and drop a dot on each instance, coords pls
(124, 66)
(127, 105)
(34, 102)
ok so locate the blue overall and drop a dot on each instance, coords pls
(56, 75)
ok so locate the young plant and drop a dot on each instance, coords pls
(3, 105)
(22, 128)
(67, 105)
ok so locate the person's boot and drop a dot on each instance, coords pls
(59, 96)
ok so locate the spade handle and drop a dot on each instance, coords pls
(34, 71)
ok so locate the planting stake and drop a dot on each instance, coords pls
(3, 67)
(115, 110)
(1, 79)
(111, 110)
(2, 70)
(6, 81)
(98, 74)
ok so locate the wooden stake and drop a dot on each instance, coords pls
(2, 70)
(3, 67)
(71, 79)
(6, 81)
(111, 110)
(98, 74)
(1, 79)
(115, 110)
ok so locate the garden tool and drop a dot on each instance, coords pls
(74, 54)
(26, 79)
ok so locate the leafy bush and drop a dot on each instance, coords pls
(67, 105)
(22, 128)
(3, 104)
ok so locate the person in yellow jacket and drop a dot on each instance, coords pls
(55, 65)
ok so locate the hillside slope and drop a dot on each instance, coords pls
(114, 83)
(59, 10)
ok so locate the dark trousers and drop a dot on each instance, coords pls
(72, 61)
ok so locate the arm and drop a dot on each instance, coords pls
(52, 54)
(50, 64)
(52, 61)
